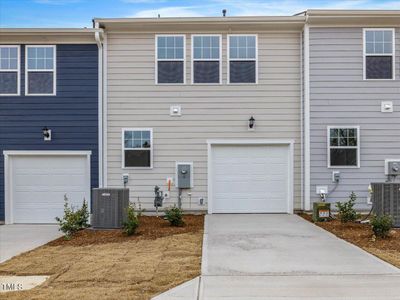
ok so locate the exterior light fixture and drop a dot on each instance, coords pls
(251, 123)
(46, 134)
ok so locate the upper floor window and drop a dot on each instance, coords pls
(170, 53)
(343, 146)
(242, 58)
(9, 70)
(40, 70)
(379, 54)
(206, 59)
(137, 148)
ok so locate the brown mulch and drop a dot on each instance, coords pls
(362, 236)
(150, 227)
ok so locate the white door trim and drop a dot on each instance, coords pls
(213, 142)
(8, 201)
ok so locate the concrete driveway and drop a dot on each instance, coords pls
(284, 257)
(16, 239)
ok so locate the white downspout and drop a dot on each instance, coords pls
(98, 39)
(307, 200)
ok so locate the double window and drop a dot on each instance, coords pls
(137, 148)
(379, 54)
(9, 70)
(170, 54)
(206, 59)
(343, 146)
(40, 70)
(242, 58)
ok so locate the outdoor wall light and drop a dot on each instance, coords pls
(251, 123)
(46, 134)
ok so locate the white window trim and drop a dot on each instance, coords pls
(379, 54)
(175, 59)
(343, 147)
(240, 59)
(54, 70)
(123, 148)
(206, 59)
(18, 69)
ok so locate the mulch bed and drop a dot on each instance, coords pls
(360, 234)
(150, 228)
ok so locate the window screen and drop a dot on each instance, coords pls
(242, 59)
(40, 67)
(378, 47)
(170, 59)
(206, 58)
(9, 70)
(137, 148)
(343, 147)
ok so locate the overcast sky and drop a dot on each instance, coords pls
(78, 13)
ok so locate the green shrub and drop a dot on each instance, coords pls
(381, 225)
(174, 216)
(132, 220)
(73, 220)
(346, 211)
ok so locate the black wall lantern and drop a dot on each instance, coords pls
(46, 134)
(252, 121)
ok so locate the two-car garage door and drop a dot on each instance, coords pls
(36, 185)
(250, 178)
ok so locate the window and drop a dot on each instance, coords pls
(206, 56)
(40, 70)
(379, 54)
(170, 58)
(343, 146)
(242, 59)
(137, 148)
(9, 70)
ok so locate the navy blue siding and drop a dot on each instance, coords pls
(72, 114)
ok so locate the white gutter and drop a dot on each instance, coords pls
(301, 122)
(105, 105)
(98, 39)
(307, 200)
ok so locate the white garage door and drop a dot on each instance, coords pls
(250, 178)
(38, 185)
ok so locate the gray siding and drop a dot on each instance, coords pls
(208, 111)
(340, 96)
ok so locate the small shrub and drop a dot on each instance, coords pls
(174, 216)
(132, 220)
(73, 220)
(381, 225)
(347, 213)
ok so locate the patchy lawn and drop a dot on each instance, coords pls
(361, 235)
(105, 264)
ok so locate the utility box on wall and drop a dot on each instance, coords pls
(184, 175)
(109, 207)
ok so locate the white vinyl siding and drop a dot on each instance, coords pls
(10, 66)
(218, 111)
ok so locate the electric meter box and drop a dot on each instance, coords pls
(321, 211)
(394, 168)
(184, 175)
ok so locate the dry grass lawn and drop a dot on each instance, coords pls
(361, 235)
(135, 268)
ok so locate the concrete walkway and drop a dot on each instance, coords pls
(16, 239)
(250, 257)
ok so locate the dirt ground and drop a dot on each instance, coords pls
(362, 236)
(105, 264)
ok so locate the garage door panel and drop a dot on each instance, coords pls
(39, 183)
(250, 178)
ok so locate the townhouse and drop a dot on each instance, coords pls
(49, 125)
(225, 114)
